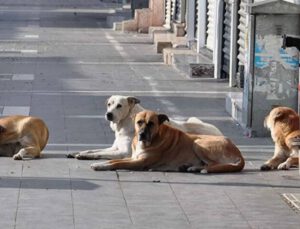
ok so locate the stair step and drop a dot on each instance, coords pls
(234, 105)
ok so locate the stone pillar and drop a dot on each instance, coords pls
(158, 12)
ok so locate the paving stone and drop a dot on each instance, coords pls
(76, 69)
(15, 110)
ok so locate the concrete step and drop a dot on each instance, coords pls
(234, 103)
(111, 19)
(157, 29)
(167, 40)
(190, 63)
(169, 53)
(117, 26)
(129, 25)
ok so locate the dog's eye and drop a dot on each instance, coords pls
(119, 106)
(150, 124)
(140, 122)
(108, 104)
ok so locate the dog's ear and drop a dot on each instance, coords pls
(2, 129)
(293, 121)
(132, 101)
(162, 118)
(279, 115)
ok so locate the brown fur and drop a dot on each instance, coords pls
(284, 124)
(22, 136)
(157, 146)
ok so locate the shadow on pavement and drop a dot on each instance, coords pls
(46, 183)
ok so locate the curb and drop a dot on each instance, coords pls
(293, 199)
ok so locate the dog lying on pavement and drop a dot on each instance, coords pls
(22, 136)
(160, 147)
(120, 113)
(284, 125)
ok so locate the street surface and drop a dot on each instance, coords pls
(61, 63)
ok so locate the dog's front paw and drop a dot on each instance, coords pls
(265, 167)
(194, 169)
(71, 155)
(203, 171)
(17, 157)
(87, 155)
(81, 157)
(284, 166)
(102, 166)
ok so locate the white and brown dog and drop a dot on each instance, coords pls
(284, 125)
(160, 147)
(121, 111)
(22, 136)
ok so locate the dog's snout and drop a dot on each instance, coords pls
(109, 116)
(142, 136)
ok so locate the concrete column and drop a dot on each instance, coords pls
(201, 24)
(217, 55)
(183, 10)
(249, 68)
(233, 44)
(249, 78)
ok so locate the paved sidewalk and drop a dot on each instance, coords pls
(74, 65)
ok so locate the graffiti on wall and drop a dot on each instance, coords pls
(276, 69)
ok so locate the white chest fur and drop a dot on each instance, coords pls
(139, 151)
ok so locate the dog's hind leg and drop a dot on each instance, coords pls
(224, 168)
(31, 151)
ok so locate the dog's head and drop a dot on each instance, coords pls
(2, 129)
(118, 107)
(147, 126)
(284, 117)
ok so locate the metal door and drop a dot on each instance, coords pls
(242, 33)
(226, 38)
(168, 13)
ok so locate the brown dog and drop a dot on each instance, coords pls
(22, 136)
(284, 124)
(157, 146)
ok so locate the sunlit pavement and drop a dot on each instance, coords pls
(62, 66)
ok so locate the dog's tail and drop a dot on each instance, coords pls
(229, 167)
(196, 126)
(193, 120)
